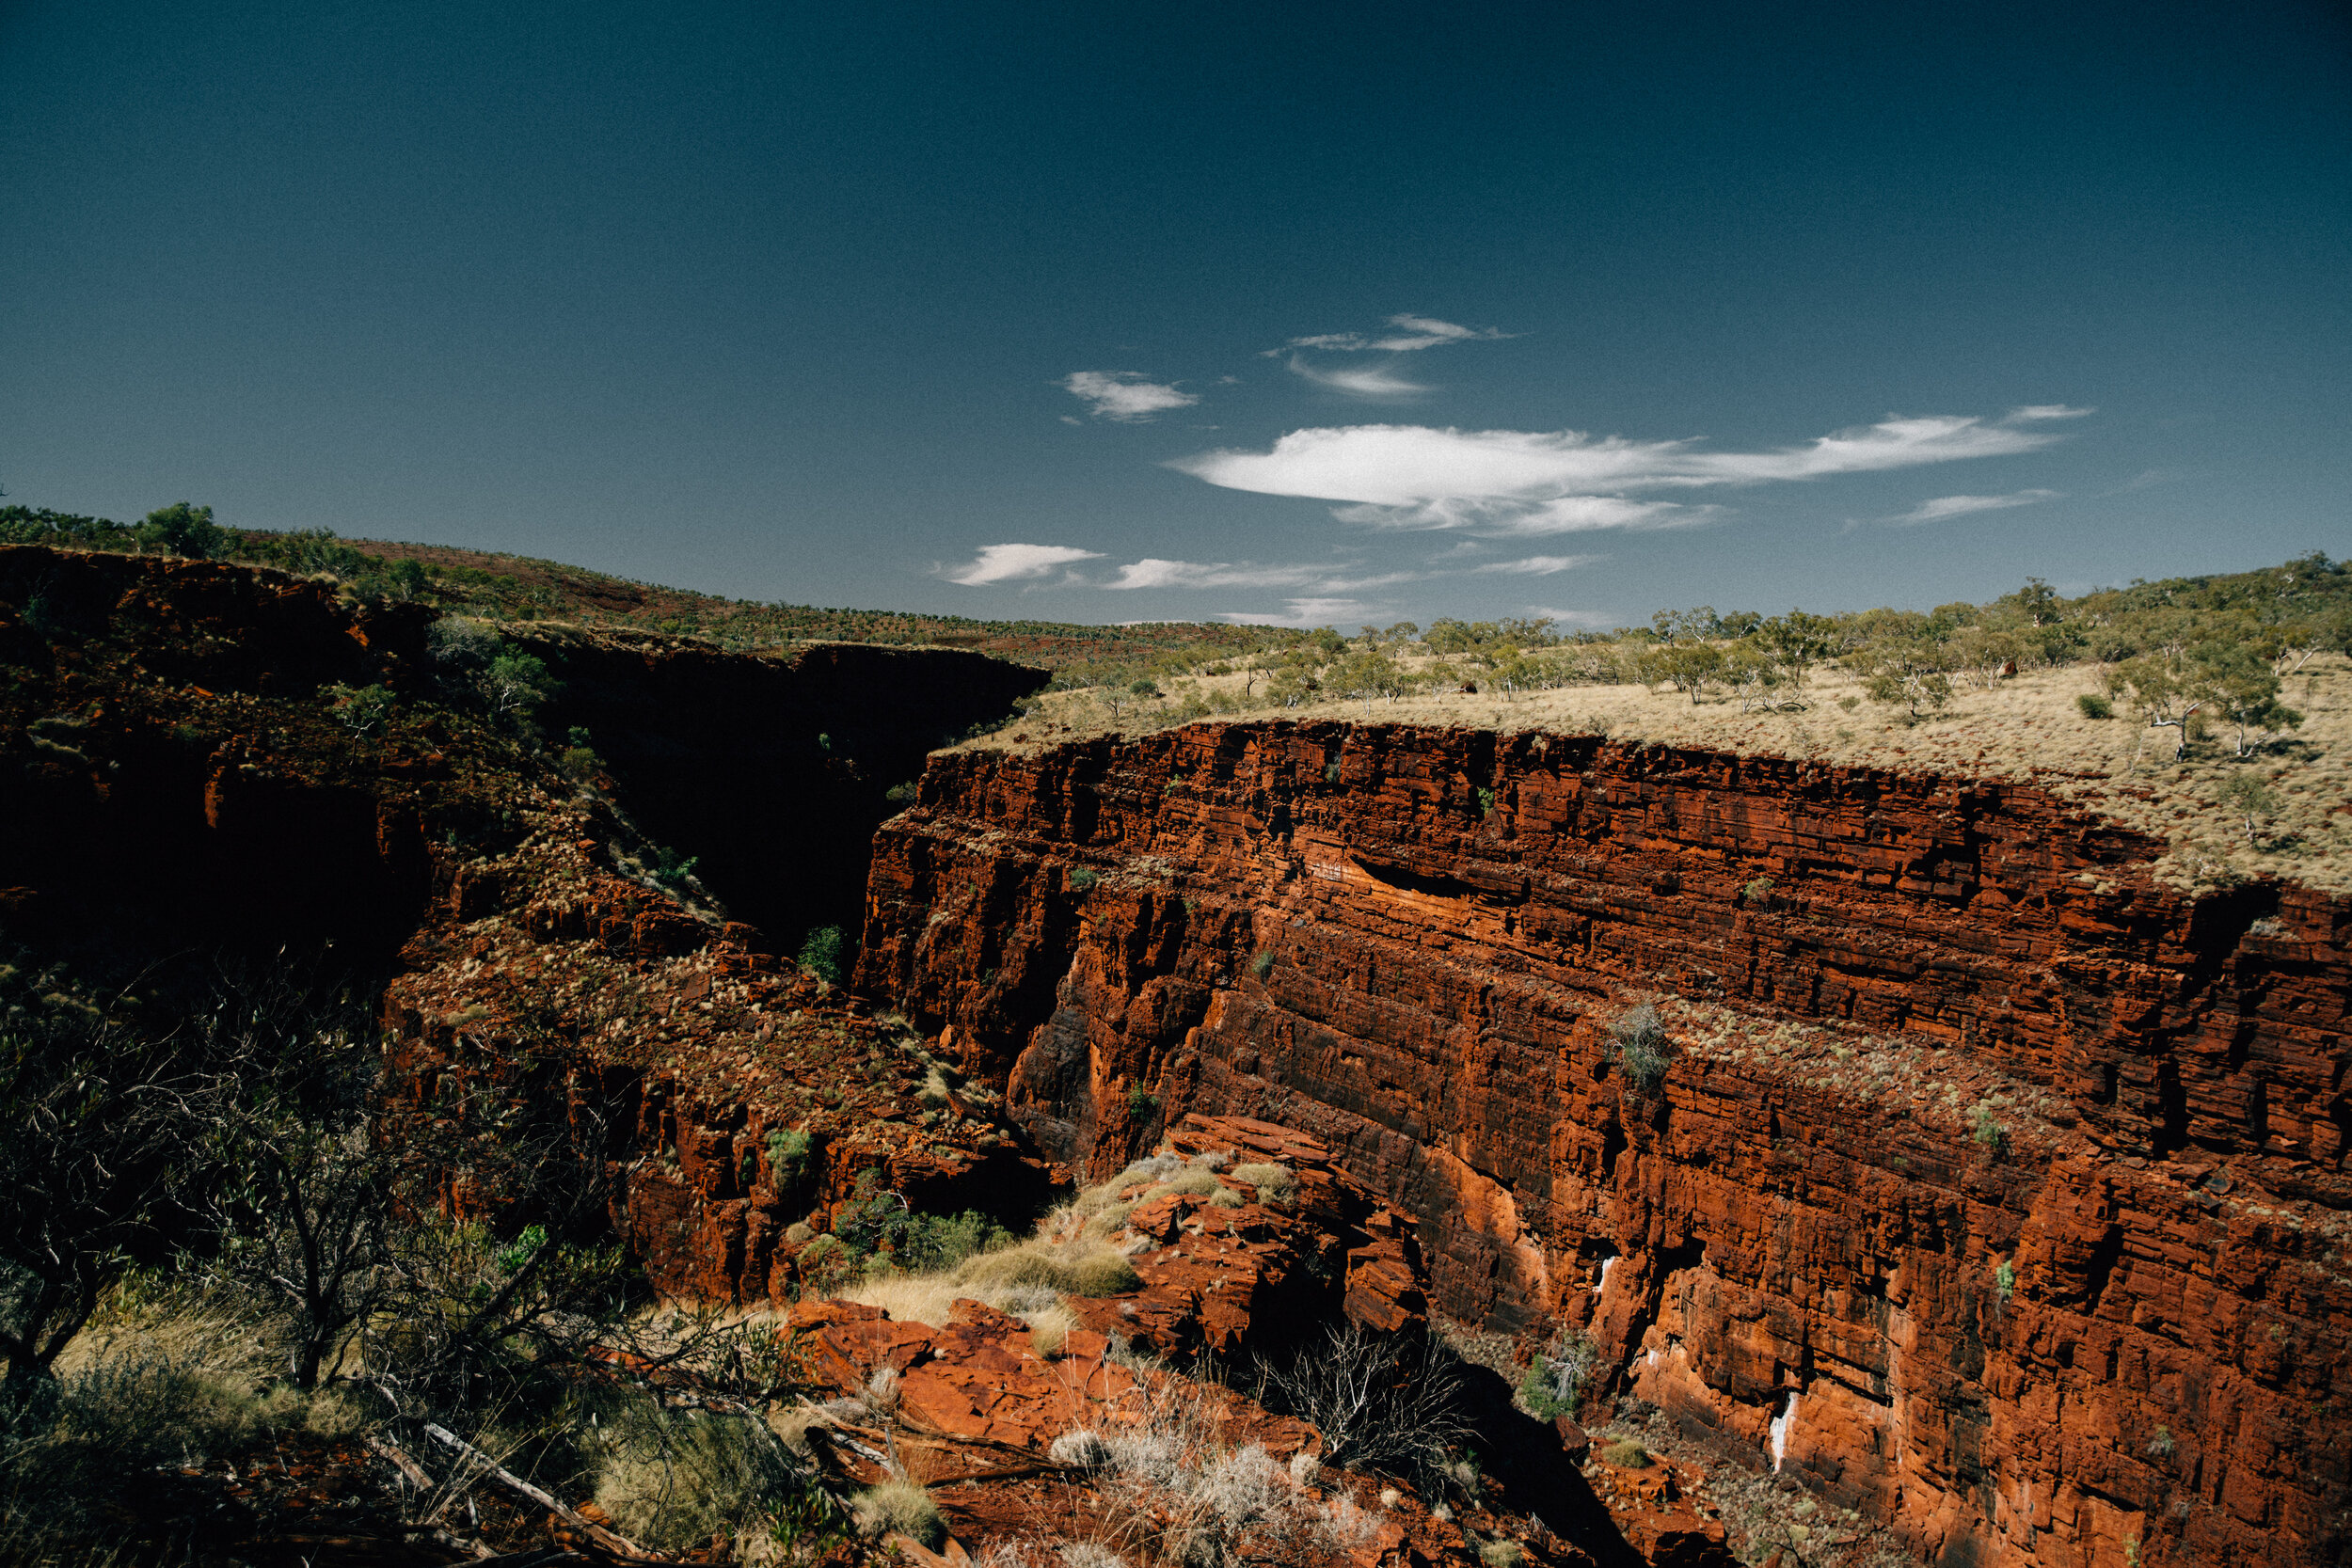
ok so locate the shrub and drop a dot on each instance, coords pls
(1985, 1127)
(1758, 889)
(1142, 1102)
(821, 954)
(1262, 965)
(1555, 1378)
(1082, 879)
(1626, 1453)
(2161, 1444)
(2094, 706)
(1194, 1182)
(1382, 1403)
(903, 794)
(2005, 1279)
(1274, 1183)
(1499, 1554)
(673, 1479)
(901, 1506)
(1225, 1197)
(1640, 1048)
(672, 870)
(788, 1154)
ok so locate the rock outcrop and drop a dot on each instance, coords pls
(1991, 1190)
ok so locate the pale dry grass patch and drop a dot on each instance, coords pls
(2027, 728)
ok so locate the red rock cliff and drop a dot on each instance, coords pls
(1993, 1190)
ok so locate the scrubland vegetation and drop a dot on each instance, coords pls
(2215, 713)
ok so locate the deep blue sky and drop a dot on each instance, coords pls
(786, 302)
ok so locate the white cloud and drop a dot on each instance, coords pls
(1152, 571)
(1125, 395)
(2035, 411)
(1960, 506)
(1364, 380)
(1303, 613)
(1012, 562)
(1538, 566)
(1419, 332)
(1513, 481)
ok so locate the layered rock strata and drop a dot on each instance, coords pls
(1992, 1190)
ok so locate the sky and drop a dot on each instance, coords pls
(1305, 314)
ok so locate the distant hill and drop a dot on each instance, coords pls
(520, 588)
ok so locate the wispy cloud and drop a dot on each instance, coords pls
(1125, 395)
(1015, 563)
(1417, 332)
(1152, 571)
(1960, 506)
(1302, 614)
(1520, 482)
(1362, 381)
(2033, 413)
(1537, 566)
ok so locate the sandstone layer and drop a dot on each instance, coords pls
(1993, 1190)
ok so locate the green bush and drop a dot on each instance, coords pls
(1262, 965)
(1082, 879)
(821, 954)
(1626, 1453)
(1555, 1379)
(2094, 706)
(1142, 1102)
(183, 529)
(1985, 1127)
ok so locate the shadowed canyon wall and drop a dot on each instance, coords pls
(173, 776)
(1994, 1189)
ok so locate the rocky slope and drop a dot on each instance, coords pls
(1993, 1191)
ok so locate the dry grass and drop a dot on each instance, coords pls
(2027, 728)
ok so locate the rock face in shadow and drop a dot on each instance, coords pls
(771, 771)
(171, 760)
(1992, 1189)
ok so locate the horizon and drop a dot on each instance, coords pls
(1107, 321)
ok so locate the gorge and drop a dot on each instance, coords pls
(1991, 1188)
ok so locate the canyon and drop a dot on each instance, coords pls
(1992, 1189)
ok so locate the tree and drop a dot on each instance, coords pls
(2242, 687)
(303, 1216)
(1798, 641)
(514, 683)
(2256, 801)
(2171, 698)
(408, 579)
(98, 1131)
(1918, 692)
(1752, 674)
(1690, 666)
(183, 529)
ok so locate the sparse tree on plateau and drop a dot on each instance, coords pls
(1798, 641)
(183, 529)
